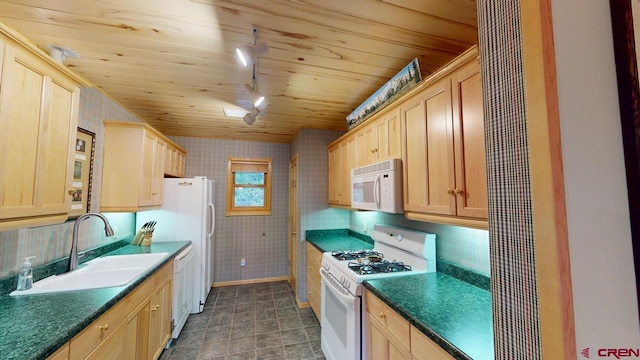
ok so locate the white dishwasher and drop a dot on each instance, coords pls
(182, 291)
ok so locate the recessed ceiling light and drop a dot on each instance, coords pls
(234, 113)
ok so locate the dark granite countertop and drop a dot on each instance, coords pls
(338, 240)
(452, 313)
(35, 326)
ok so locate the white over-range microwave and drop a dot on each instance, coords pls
(378, 187)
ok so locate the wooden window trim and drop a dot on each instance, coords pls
(254, 165)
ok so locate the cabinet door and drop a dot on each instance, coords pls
(37, 131)
(314, 259)
(334, 171)
(468, 127)
(370, 144)
(147, 170)
(158, 172)
(381, 344)
(347, 159)
(160, 319)
(428, 151)
(388, 136)
(137, 333)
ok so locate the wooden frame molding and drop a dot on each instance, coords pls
(629, 98)
(547, 182)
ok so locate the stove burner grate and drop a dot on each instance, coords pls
(355, 254)
(384, 266)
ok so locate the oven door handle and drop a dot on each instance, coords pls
(346, 299)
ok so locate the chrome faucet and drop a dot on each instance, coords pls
(73, 255)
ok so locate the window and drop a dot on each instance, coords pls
(248, 187)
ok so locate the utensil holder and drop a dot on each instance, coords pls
(146, 240)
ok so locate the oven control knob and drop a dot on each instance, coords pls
(399, 237)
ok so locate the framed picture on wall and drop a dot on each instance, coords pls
(82, 173)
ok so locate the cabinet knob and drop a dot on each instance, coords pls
(155, 308)
(382, 315)
(449, 191)
(104, 327)
(71, 191)
(458, 191)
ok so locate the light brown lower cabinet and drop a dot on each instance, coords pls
(314, 261)
(61, 354)
(391, 337)
(138, 327)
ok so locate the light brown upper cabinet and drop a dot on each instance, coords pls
(38, 125)
(380, 139)
(133, 167)
(174, 161)
(342, 155)
(443, 147)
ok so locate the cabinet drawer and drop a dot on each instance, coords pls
(423, 348)
(61, 354)
(164, 273)
(388, 318)
(138, 295)
(314, 254)
(84, 343)
(113, 347)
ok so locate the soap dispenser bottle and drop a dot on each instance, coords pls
(25, 277)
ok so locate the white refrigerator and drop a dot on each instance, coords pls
(188, 213)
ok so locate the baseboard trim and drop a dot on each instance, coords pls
(249, 281)
(302, 305)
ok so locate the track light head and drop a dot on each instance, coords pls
(256, 98)
(248, 54)
(250, 118)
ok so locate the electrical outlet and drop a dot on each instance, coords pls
(243, 262)
(115, 232)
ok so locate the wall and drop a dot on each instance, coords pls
(602, 269)
(49, 243)
(262, 240)
(313, 187)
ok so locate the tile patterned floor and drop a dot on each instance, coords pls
(254, 321)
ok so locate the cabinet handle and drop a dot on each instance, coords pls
(382, 315)
(458, 191)
(449, 191)
(104, 327)
(155, 308)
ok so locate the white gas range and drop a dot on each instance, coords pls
(396, 252)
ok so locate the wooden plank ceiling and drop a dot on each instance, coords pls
(172, 62)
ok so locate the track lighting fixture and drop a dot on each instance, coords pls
(254, 95)
(60, 53)
(248, 54)
(250, 118)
